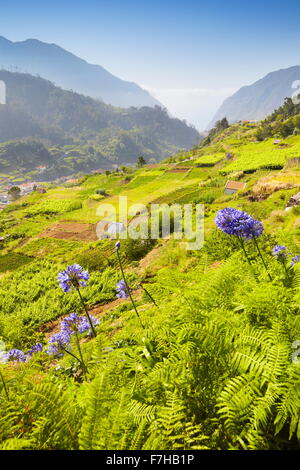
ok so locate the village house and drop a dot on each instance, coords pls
(3, 199)
(27, 188)
(41, 168)
(72, 181)
(294, 200)
(40, 190)
(232, 187)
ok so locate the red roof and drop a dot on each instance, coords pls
(235, 185)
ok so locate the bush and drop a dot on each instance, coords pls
(137, 249)
(101, 192)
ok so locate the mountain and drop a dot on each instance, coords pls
(71, 73)
(258, 100)
(85, 133)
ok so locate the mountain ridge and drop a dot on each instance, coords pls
(259, 99)
(94, 134)
(71, 72)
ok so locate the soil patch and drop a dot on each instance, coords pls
(71, 231)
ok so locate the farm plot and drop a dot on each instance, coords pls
(71, 231)
(263, 155)
(209, 160)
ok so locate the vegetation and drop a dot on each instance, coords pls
(283, 122)
(65, 132)
(193, 349)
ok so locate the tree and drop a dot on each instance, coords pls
(14, 192)
(141, 162)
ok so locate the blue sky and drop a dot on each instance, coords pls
(190, 54)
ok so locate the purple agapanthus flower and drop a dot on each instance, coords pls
(35, 349)
(235, 222)
(58, 343)
(295, 260)
(118, 245)
(73, 276)
(279, 251)
(15, 355)
(75, 324)
(121, 289)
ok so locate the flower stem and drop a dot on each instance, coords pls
(4, 385)
(77, 359)
(71, 354)
(244, 250)
(263, 261)
(84, 368)
(286, 270)
(149, 295)
(87, 313)
(127, 288)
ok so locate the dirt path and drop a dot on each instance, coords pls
(98, 311)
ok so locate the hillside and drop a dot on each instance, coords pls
(200, 355)
(256, 101)
(94, 134)
(70, 72)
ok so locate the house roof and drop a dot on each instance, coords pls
(296, 197)
(235, 185)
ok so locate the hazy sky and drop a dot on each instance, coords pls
(189, 54)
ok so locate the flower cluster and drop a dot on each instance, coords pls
(122, 292)
(235, 222)
(279, 251)
(73, 276)
(15, 355)
(38, 347)
(295, 259)
(74, 324)
(70, 325)
(58, 343)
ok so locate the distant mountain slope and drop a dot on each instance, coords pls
(39, 110)
(258, 100)
(70, 72)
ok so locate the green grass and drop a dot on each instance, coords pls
(52, 248)
(12, 261)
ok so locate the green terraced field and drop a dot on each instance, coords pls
(209, 159)
(261, 155)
